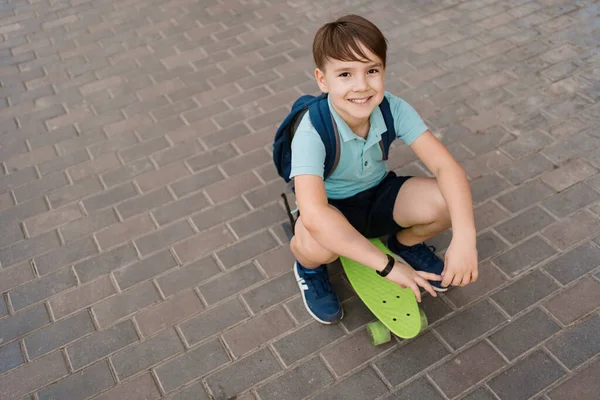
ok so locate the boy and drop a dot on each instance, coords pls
(361, 199)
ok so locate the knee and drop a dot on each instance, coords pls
(304, 246)
(442, 212)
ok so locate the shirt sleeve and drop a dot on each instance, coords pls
(308, 150)
(407, 122)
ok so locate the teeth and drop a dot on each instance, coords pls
(359, 101)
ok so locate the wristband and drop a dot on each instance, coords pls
(388, 267)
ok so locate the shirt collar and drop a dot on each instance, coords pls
(377, 126)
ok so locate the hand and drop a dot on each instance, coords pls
(405, 276)
(460, 266)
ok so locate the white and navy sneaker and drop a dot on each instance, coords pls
(320, 300)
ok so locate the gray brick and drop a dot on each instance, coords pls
(28, 248)
(525, 292)
(230, 283)
(84, 226)
(488, 245)
(164, 237)
(583, 385)
(17, 178)
(169, 312)
(74, 192)
(486, 187)
(213, 320)
(109, 197)
(298, 383)
(10, 357)
(575, 263)
(188, 275)
(527, 168)
(470, 324)
(569, 174)
(243, 374)
(425, 350)
(531, 329)
(146, 354)
(193, 392)
(489, 279)
(220, 213)
(182, 151)
(480, 394)
(81, 297)
(117, 307)
(305, 341)
(105, 263)
(529, 253)
(574, 229)
(196, 182)
(100, 344)
(63, 162)
(526, 378)
(181, 208)
(42, 288)
(10, 234)
(576, 301)
(525, 195)
(144, 149)
(261, 218)
(23, 322)
(22, 211)
(562, 151)
(467, 368)
(143, 203)
(127, 172)
(39, 187)
(65, 255)
(85, 383)
(194, 363)
(247, 249)
(524, 224)
(58, 334)
(271, 292)
(571, 200)
(114, 144)
(144, 269)
(420, 389)
(211, 157)
(528, 143)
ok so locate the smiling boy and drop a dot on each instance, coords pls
(361, 199)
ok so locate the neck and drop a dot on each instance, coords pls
(360, 127)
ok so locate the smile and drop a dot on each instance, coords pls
(361, 101)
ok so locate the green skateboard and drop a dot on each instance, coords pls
(396, 309)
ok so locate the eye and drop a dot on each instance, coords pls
(373, 71)
(344, 75)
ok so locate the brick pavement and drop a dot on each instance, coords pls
(141, 244)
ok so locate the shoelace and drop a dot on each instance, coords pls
(320, 283)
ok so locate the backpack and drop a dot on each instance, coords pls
(323, 122)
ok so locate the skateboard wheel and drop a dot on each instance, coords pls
(424, 323)
(378, 333)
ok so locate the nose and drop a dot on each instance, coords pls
(360, 83)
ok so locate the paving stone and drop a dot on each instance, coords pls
(85, 383)
(200, 245)
(116, 307)
(571, 200)
(230, 283)
(529, 253)
(144, 202)
(219, 213)
(213, 321)
(243, 374)
(33, 375)
(105, 262)
(28, 248)
(192, 364)
(583, 385)
(179, 209)
(425, 350)
(74, 192)
(489, 244)
(142, 387)
(168, 312)
(81, 227)
(164, 237)
(146, 354)
(480, 394)
(10, 357)
(576, 301)
(489, 279)
(271, 292)
(261, 218)
(573, 264)
(524, 292)
(306, 341)
(42, 288)
(144, 269)
(486, 187)
(525, 195)
(193, 392)
(364, 384)
(529, 167)
(100, 344)
(524, 224)
(466, 369)
(573, 229)
(569, 174)
(15, 276)
(73, 300)
(109, 197)
(197, 182)
(277, 261)
(246, 249)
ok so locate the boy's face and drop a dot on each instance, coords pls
(355, 88)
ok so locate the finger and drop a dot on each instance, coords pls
(416, 291)
(457, 280)
(429, 276)
(427, 286)
(447, 279)
(474, 275)
(465, 280)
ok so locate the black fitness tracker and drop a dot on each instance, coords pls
(388, 267)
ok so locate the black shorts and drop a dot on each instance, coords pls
(371, 212)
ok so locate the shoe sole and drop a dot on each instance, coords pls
(400, 259)
(298, 279)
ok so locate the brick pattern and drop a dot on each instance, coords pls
(142, 253)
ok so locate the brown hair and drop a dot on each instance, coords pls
(341, 39)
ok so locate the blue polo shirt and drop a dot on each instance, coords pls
(361, 165)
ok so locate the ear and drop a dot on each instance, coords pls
(320, 77)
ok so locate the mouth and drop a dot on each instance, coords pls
(360, 101)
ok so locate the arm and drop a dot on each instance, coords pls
(461, 257)
(333, 232)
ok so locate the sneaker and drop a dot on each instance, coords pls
(422, 258)
(320, 300)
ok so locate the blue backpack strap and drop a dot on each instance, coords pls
(323, 122)
(390, 135)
